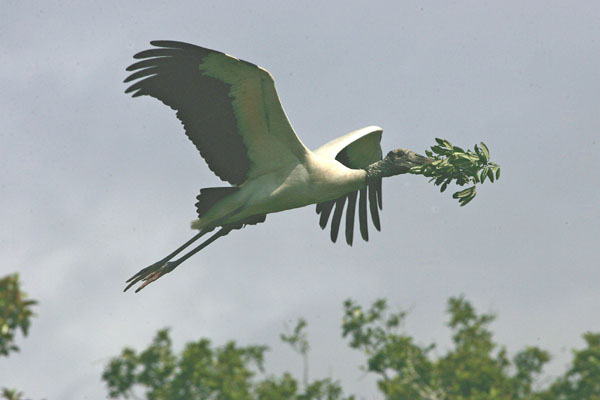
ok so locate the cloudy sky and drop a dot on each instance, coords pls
(95, 185)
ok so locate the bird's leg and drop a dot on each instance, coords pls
(164, 266)
(155, 271)
(157, 265)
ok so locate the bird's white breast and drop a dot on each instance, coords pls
(315, 180)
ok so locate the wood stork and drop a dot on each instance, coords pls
(230, 111)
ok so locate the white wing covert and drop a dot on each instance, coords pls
(358, 149)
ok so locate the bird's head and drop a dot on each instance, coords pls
(396, 162)
(400, 161)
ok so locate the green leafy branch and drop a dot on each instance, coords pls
(16, 311)
(452, 163)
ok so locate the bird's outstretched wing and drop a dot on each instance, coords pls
(229, 108)
(357, 149)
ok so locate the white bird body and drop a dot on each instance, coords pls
(230, 110)
(313, 180)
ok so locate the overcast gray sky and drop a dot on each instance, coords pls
(95, 185)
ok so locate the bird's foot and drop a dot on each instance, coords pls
(150, 274)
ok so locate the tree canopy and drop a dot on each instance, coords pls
(475, 368)
(16, 312)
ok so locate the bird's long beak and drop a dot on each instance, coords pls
(418, 159)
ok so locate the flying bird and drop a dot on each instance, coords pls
(231, 112)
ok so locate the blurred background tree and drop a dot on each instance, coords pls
(204, 371)
(582, 379)
(475, 368)
(16, 312)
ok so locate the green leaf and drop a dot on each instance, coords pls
(465, 201)
(486, 152)
(463, 167)
(444, 143)
(473, 157)
(490, 174)
(439, 150)
(483, 175)
(463, 193)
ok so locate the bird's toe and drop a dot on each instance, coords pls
(150, 274)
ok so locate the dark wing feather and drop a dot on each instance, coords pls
(373, 206)
(325, 210)
(253, 220)
(337, 217)
(350, 217)
(229, 108)
(362, 215)
(379, 191)
(171, 75)
(208, 197)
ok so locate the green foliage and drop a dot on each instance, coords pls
(452, 163)
(202, 371)
(15, 313)
(323, 389)
(298, 341)
(272, 388)
(582, 380)
(298, 338)
(403, 367)
(12, 394)
(474, 368)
